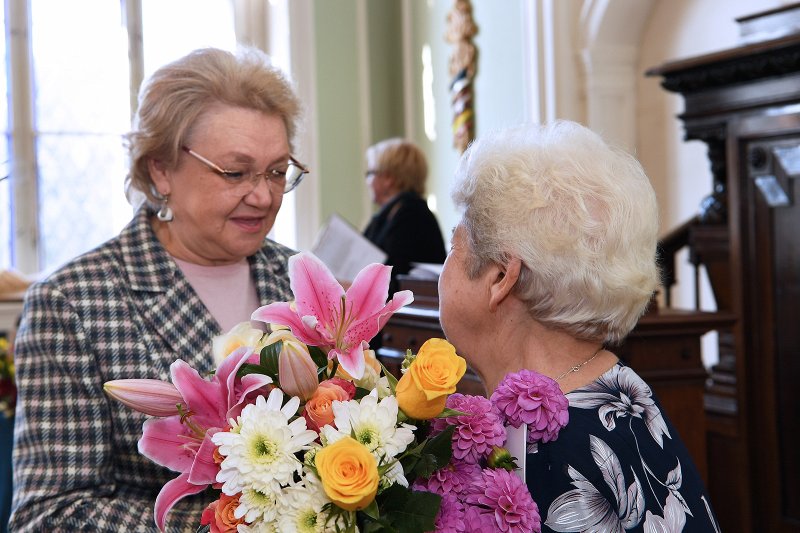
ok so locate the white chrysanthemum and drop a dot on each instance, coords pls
(310, 456)
(256, 505)
(382, 387)
(302, 510)
(260, 446)
(369, 379)
(371, 422)
(394, 474)
(258, 527)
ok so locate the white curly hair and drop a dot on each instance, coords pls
(580, 215)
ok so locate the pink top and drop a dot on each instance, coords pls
(227, 291)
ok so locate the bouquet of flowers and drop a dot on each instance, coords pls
(302, 429)
(8, 389)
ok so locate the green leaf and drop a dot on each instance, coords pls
(416, 449)
(451, 412)
(377, 526)
(269, 358)
(409, 511)
(426, 466)
(249, 368)
(441, 445)
(410, 459)
(372, 511)
(319, 357)
(435, 454)
(390, 377)
(360, 393)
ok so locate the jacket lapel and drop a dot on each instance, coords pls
(178, 322)
(270, 271)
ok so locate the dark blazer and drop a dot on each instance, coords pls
(408, 232)
(123, 310)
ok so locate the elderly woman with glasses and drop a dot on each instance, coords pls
(211, 153)
(552, 264)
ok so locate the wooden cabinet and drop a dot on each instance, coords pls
(744, 103)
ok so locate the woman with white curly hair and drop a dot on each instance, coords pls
(553, 263)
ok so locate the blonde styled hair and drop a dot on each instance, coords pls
(179, 93)
(580, 215)
(401, 159)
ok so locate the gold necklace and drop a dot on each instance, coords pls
(578, 367)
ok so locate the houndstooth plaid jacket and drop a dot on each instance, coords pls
(123, 310)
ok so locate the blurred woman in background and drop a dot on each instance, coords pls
(403, 227)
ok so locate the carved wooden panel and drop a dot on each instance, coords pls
(767, 187)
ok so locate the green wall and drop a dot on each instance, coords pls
(499, 91)
(340, 168)
(385, 69)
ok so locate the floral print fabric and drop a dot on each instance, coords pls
(618, 465)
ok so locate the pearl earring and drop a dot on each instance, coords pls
(164, 212)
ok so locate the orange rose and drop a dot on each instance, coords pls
(433, 375)
(349, 473)
(219, 515)
(319, 410)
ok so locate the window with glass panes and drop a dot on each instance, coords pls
(64, 193)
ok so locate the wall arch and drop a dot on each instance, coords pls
(610, 33)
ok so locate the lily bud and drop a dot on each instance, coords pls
(148, 396)
(297, 371)
(501, 458)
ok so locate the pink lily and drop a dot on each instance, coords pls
(330, 318)
(182, 442)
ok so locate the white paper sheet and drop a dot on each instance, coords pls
(344, 249)
(517, 445)
(430, 271)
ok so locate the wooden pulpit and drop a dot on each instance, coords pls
(744, 103)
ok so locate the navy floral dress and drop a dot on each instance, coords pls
(618, 465)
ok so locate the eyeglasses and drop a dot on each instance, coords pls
(286, 176)
(369, 173)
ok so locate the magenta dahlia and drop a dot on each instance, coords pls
(455, 478)
(475, 432)
(499, 500)
(478, 520)
(527, 397)
(450, 518)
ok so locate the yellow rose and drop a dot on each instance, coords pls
(349, 473)
(423, 389)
